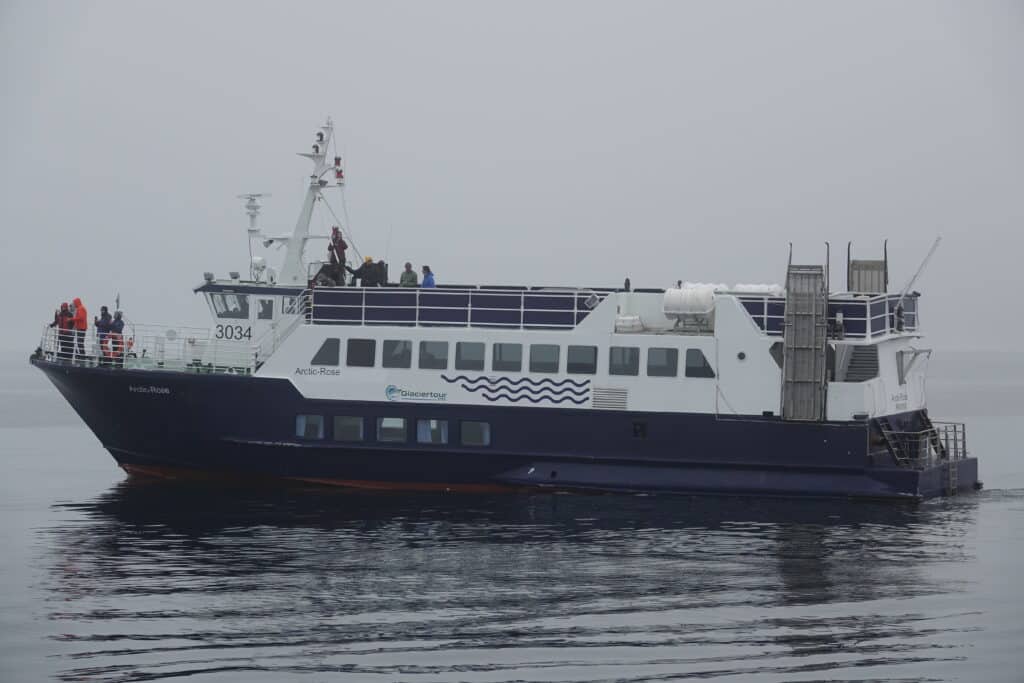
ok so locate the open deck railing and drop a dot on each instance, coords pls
(943, 441)
(504, 307)
(863, 316)
(150, 347)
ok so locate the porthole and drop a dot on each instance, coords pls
(741, 355)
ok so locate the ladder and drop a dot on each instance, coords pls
(804, 344)
(952, 478)
(895, 445)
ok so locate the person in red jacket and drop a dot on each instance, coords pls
(81, 326)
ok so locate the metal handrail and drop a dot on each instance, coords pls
(150, 347)
(943, 441)
(417, 306)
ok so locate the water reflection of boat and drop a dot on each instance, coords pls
(161, 577)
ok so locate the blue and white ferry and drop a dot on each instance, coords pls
(700, 389)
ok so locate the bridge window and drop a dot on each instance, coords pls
(581, 360)
(231, 306)
(348, 428)
(662, 362)
(433, 355)
(391, 429)
(309, 426)
(623, 360)
(265, 310)
(329, 353)
(507, 357)
(476, 433)
(432, 431)
(697, 364)
(397, 353)
(544, 357)
(361, 353)
(469, 356)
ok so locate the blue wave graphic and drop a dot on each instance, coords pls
(524, 389)
(532, 399)
(515, 382)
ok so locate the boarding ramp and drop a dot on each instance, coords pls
(804, 346)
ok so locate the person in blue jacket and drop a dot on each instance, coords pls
(428, 278)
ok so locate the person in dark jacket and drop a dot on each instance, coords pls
(366, 273)
(336, 251)
(117, 339)
(64, 321)
(102, 323)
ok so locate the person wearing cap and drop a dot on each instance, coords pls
(366, 273)
(409, 277)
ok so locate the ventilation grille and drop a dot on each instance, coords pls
(611, 399)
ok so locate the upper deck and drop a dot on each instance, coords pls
(458, 306)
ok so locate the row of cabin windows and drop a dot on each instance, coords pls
(543, 358)
(350, 428)
(236, 306)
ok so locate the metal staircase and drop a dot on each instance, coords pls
(863, 364)
(804, 345)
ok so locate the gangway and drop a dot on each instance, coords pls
(804, 346)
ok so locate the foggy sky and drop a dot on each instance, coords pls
(516, 143)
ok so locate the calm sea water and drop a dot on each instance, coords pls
(104, 579)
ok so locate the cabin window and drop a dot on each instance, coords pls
(662, 362)
(231, 306)
(265, 309)
(469, 356)
(476, 433)
(309, 426)
(361, 353)
(348, 428)
(544, 357)
(391, 429)
(581, 360)
(397, 353)
(433, 355)
(432, 431)
(289, 305)
(507, 357)
(697, 365)
(623, 360)
(328, 354)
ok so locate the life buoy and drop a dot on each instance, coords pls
(116, 344)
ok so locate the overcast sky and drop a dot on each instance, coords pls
(517, 143)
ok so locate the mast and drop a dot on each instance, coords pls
(293, 269)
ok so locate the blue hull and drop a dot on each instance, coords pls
(243, 426)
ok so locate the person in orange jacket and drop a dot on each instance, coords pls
(81, 326)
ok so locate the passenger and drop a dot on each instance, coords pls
(117, 340)
(382, 273)
(65, 324)
(428, 278)
(81, 327)
(409, 277)
(366, 273)
(102, 324)
(336, 249)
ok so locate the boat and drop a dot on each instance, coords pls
(696, 388)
